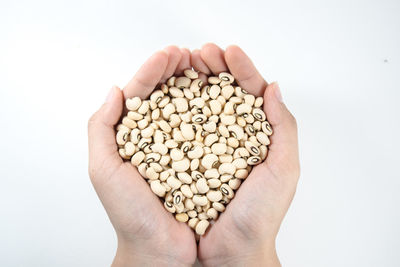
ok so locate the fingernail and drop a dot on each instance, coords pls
(110, 94)
(278, 94)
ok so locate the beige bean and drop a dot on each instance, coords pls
(196, 85)
(122, 137)
(182, 217)
(227, 168)
(133, 115)
(214, 80)
(214, 91)
(142, 169)
(201, 227)
(176, 92)
(202, 215)
(225, 158)
(164, 175)
(164, 126)
(180, 207)
(159, 148)
(133, 103)
(210, 139)
(241, 173)
(164, 101)
(189, 205)
(249, 99)
(144, 107)
(214, 183)
(181, 165)
(176, 154)
(171, 143)
(187, 131)
(130, 148)
(218, 148)
(218, 206)
(227, 119)
(258, 102)
(210, 126)
(234, 183)
(151, 174)
(181, 104)
(263, 152)
(241, 121)
(243, 109)
(202, 186)
(223, 130)
(195, 153)
(193, 221)
(211, 173)
(129, 123)
(184, 177)
(122, 153)
(194, 188)
(233, 142)
(214, 195)
(240, 163)
(164, 88)
(157, 188)
(182, 82)
(212, 213)
(239, 92)
(191, 74)
(185, 189)
(229, 108)
(137, 158)
(263, 138)
(173, 182)
(227, 91)
(200, 200)
(152, 157)
(215, 107)
(171, 81)
(168, 110)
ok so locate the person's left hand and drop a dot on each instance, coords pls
(147, 233)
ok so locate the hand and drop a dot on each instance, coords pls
(146, 232)
(244, 235)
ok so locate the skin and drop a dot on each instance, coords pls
(245, 234)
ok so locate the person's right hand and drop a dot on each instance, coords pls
(147, 233)
(244, 235)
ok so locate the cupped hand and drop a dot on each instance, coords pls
(244, 235)
(147, 233)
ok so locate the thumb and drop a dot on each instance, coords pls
(283, 155)
(103, 156)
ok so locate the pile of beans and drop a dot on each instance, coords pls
(194, 142)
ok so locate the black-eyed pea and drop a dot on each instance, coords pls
(252, 148)
(227, 119)
(159, 148)
(177, 198)
(241, 173)
(253, 160)
(152, 157)
(181, 104)
(186, 146)
(249, 99)
(236, 131)
(147, 132)
(176, 154)
(240, 92)
(122, 127)
(215, 107)
(137, 158)
(195, 153)
(243, 109)
(180, 207)
(214, 183)
(229, 108)
(151, 174)
(156, 96)
(194, 188)
(182, 217)
(185, 189)
(258, 114)
(193, 221)
(227, 191)
(157, 188)
(249, 119)
(218, 206)
(250, 129)
(196, 85)
(240, 163)
(202, 186)
(229, 150)
(156, 166)
(263, 138)
(184, 177)
(169, 207)
(212, 213)
(200, 200)
(227, 91)
(122, 153)
(257, 125)
(177, 135)
(122, 137)
(168, 110)
(142, 124)
(171, 143)
(181, 165)
(187, 131)
(266, 128)
(197, 102)
(182, 82)
(164, 175)
(173, 182)
(135, 116)
(209, 161)
(210, 126)
(227, 77)
(129, 123)
(199, 118)
(174, 120)
(196, 175)
(206, 111)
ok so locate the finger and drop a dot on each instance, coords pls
(101, 133)
(174, 57)
(213, 56)
(244, 71)
(283, 150)
(148, 76)
(198, 63)
(184, 63)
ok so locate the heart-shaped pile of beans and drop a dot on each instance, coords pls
(194, 142)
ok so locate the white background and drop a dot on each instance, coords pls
(337, 63)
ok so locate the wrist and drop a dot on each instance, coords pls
(131, 255)
(249, 256)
